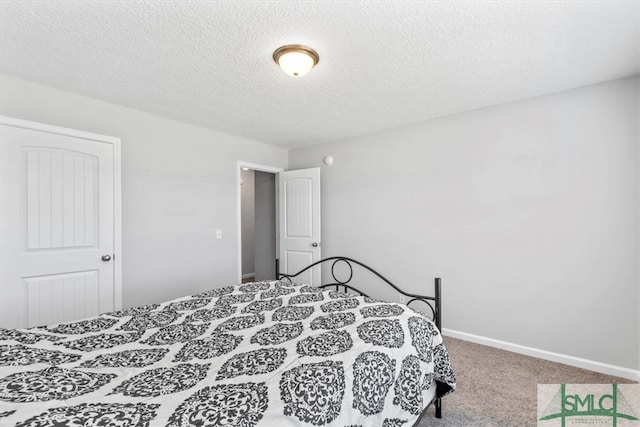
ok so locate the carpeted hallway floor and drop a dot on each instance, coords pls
(499, 388)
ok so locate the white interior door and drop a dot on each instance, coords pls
(299, 222)
(57, 222)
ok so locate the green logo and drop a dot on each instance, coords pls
(564, 406)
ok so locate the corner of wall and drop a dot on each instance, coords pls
(638, 205)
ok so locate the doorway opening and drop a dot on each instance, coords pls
(257, 220)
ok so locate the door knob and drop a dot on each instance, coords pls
(315, 244)
(106, 258)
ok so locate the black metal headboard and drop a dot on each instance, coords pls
(433, 302)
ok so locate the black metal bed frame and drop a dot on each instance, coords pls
(436, 307)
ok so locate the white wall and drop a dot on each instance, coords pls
(528, 211)
(178, 187)
(248, 221)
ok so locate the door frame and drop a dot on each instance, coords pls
(117, 188)
(262, 168)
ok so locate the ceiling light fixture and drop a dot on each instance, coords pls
(296, 60)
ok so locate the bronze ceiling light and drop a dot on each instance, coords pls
(296, 60)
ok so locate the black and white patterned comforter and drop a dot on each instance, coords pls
(264, 354)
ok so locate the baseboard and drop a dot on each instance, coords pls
(246, 276)
(603, 368)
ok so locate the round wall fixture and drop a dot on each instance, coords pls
(296, 60)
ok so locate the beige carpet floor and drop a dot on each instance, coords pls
(499, 388)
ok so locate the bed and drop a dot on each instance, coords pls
(270, 353)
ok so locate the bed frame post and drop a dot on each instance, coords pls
(438, 321)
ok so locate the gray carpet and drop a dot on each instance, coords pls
(499, 388)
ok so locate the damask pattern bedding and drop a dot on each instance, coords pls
(258, 354)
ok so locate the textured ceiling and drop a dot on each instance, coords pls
(382, 63)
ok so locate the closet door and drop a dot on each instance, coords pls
(57, 220)
(299, 223)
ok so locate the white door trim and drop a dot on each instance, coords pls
(26, 124)
(262, 168)
(117, 188)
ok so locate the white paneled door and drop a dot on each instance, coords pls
(299, 223)
(58, 224)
